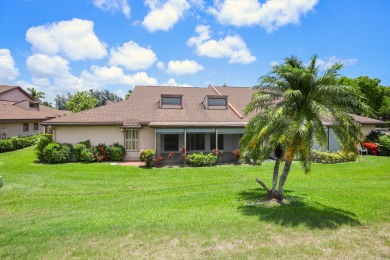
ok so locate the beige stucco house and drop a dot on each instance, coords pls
(21, 115)
(166, 119)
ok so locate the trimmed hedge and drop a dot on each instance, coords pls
(334, 157)
(15, 143)
(43, 141)
(57, 153)
(147, 156)
(200, 159)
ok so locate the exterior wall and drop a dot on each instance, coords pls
(16, 129)
(14, 95)
(366, 129)
(146, 141)
(96, 134)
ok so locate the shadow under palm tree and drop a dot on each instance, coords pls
(294, 212)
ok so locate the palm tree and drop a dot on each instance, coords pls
(289, 106)
(36, 95)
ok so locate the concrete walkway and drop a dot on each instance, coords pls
(132, 163)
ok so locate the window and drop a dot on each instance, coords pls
(34, 105)
(131, 141)
(171, 142)
(217, 102)
(220, 142)
(195, 142)
(171, 101)
(25, 127)
(35, 127)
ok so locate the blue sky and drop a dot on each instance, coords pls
(59, 46)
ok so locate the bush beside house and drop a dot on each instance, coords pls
(51, 152)
(15, 143)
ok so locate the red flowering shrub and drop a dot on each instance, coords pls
(371, 147)
(100, 153)
(159, 161)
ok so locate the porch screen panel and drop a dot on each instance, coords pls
(131, 139)
(195, 142)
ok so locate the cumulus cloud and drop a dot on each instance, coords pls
(100, 76)
(74, 38)
(113, 5)
(327, 62)
(132, 56)
(160, 65)
(232, 47)
(43, 66)
(8, 69)
(183, 67)
(163, 16)
(271, 15)
(172, 83)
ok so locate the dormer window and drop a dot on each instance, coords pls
(171, 101)
(216, 102)
(34, 105)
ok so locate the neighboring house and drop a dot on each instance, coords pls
(164, 119)
(21, 115)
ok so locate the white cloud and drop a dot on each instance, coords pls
(161, 65)
(8, 69)
(132, 56)
(113, 5)
(43, 66)
(100, 76)
(232, 47)
(164, 16)
(271, 15)
(183, 67)
(274, 63)
(74, 38)
(327, 62)
(172, 82)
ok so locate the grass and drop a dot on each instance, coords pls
(109, 211)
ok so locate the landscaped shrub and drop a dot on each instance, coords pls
(87, 156)
(334, 157)
(43, 141)
(237, 156)
(116, 152)
(82, 153)
(15, 143)
(147, 156)
(57, 153)
(199, 159)
(6, 146)
(87, 143)
(371, 147)
(384, 145)
(159, 161)
(100, 153)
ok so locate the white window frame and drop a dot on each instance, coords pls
(132, 139)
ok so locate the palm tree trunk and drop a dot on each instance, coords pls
(276, 174)
(283, 177)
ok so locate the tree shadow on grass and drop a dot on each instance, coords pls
(295, 212)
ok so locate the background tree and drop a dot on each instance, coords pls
(61, 99)
(372, 91)
(289, 106)
(102, 96)
(81, 101)
(46, 103)
(36, 95)
(128, 94)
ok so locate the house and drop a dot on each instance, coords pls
(164, 119)
(21, 115)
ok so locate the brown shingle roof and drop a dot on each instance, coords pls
(143, 108)
(10, 112)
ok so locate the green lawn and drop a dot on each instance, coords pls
(110, 211)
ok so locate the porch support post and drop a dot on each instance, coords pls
(216, 139)
(185, 140)
(155, 140)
